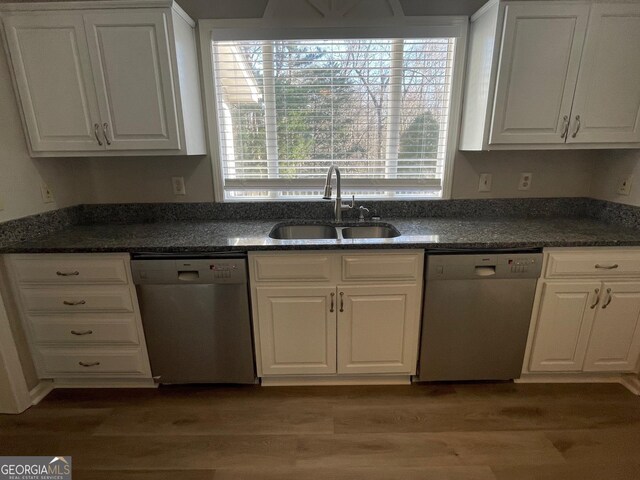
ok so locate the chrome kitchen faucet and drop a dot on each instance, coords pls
(338, 206)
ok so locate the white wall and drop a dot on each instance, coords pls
(554, 173)
(610, 167)
(20, 175)
(147, 179)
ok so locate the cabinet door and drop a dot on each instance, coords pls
(539, 62)
(53, 76)
(133, 74)
(614, 344)
(607, 96)
(564, 320)
(378, 329)
(297, 329)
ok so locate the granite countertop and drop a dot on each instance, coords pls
(430, 233)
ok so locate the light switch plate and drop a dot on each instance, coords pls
(525, 181)
(47, 194)
(178, 186)
(485, 182)
(624, 187)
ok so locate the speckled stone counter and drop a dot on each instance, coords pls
(430, 233)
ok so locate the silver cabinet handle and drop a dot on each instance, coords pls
(608, 300)
(96, 127)
(84, 332)
(573, 135)
(105, 132)
(565, 129)
(68, 274)
(606, 267)
(92, 364)
(342, 301)
(595, 304)
(332, 295)
(80, 302)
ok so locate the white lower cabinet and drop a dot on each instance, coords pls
(375, 328)
(615, 336)
(590, 325)
(340, 326)
(297, 329)
(80, 313)
(564, 322)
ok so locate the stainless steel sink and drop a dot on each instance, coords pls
(303, 232)
(374, 231)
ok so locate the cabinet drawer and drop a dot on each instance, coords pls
(92, 361)
(85, 329)
(593, 264)
(77, 299)
(70, 270)
(381, 267)
(298, 268)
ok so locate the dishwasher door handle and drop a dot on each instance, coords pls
(485, 271)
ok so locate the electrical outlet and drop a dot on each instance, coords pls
(178, 186)
(624, 187)
(485, 182)
(47, 194)
(525, 181)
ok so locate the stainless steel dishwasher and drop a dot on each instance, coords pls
(477, 310)
(195, 314)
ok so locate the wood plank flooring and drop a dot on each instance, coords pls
(481, 431)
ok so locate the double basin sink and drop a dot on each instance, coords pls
(331, 232)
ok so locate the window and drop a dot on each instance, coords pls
(378, 108)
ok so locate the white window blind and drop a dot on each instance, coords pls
(376, 108)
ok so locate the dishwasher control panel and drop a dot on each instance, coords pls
(484, 266)
(189, 271)
(521, 265)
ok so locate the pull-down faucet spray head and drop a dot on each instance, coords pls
(327, 184)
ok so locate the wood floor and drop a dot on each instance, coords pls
(437, 432)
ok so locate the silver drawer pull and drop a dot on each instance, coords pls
(96, 127)
(84, 332)
(607, 267)
(608, 300)
(68, 274)
(597, 293)
(105, 132)
(92, 364)
(577, 127)
(565, 130)
(80, 302)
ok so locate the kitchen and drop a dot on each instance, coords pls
(227, 205)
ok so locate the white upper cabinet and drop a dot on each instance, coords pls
(104, 80)
(130, 59)
(54, 80)
(607, 99)
(552, 75)
(537, 74)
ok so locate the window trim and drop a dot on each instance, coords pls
(274, 29)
